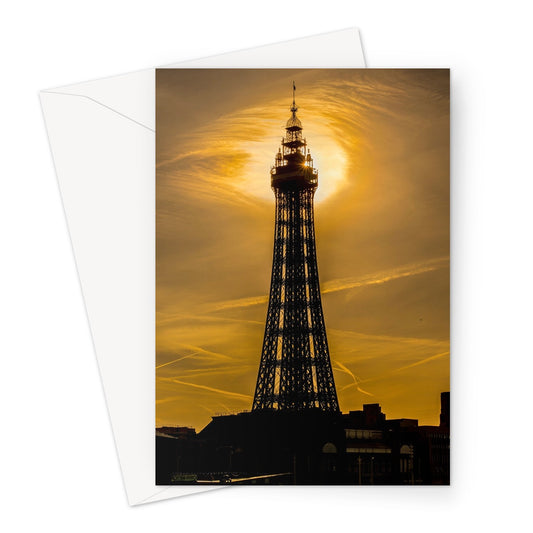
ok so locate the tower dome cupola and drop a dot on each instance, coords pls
(291, 167)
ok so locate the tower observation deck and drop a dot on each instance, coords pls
(295, 370)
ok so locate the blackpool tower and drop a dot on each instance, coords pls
(295, 370)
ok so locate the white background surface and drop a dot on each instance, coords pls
(58, 468)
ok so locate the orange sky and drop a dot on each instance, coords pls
(380, 140)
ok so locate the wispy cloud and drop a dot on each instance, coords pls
(167, 399)
(242, 143)
(218, 372)
(179, 318)
(176, 360)
(356, 380)
(385, 276)
(343, 284)
(212, 389)
(210, 411)
(209, 353)
(238, 303)
(422, 361)
(357, 335)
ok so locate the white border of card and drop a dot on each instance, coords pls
(102, 137)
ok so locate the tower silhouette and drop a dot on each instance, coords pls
(295, 370)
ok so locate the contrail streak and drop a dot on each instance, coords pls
(422, 361)
(420, 341)
(212, 389)
(343, 284)
(201, 350)
(417, 363)
(241, 302)
(210, 411)
(176, 360)
(385, 276)
(166, 400)
(163, 320)
(356, 380)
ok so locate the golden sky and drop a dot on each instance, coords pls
(380, 141)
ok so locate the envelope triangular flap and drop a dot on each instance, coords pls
(123, 95)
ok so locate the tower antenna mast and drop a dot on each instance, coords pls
(293, 94)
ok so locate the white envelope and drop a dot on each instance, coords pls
(102, 137)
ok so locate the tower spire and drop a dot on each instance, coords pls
(293, 106)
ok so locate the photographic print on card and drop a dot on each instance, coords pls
(302, 276)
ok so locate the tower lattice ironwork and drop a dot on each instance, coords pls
(295, 371)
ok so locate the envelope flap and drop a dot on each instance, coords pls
(119, 94)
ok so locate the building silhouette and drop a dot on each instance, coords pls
(356, 448)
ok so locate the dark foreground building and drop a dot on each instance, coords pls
(311, 447)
